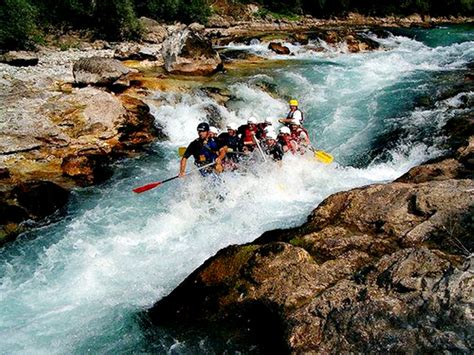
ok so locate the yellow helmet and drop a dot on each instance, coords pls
(293, 102)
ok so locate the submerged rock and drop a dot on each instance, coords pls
(278, 48)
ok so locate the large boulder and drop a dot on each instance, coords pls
(153, 31)
(187, 52)
(376, 268)
(98, 71)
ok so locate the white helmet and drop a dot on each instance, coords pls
(268, 120)
(214, 130)
(252, 120)
(269, 129)
(232, 126)
(285, 130)
(271, 135)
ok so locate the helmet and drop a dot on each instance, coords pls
(252, 120)
(293, 102)
(214, 130)
(285, 130)
(268, 120)
(269, 129)
(270, 135)
(232, 126)
(203, 127)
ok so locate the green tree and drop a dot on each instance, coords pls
(116, 19)
(17, 24)
(186, 11)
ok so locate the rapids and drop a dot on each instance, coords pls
(76, 284)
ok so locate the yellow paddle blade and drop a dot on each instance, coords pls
(323, 157)
(181, 151)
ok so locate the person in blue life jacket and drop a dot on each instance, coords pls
(293, 114)
(205, 150)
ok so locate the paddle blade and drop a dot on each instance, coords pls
(181, 151)
(323, 157)
(146, 187)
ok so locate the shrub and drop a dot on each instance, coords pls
(17, 24)
(116, 19)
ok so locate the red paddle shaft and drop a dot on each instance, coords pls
(155, 184)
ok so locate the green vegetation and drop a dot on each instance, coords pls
(17, 23)
(23, 21)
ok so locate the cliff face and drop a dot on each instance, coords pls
(383, 267)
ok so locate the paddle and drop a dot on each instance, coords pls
(322, 156)
(259, 147)
(152, 185)
(181, 151)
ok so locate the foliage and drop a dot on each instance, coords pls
(21, 20)
(186, 11)
(116, 19)
(17, 24)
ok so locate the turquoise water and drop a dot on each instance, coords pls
(77, 284)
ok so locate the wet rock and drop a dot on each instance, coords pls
(278, 48)
(19, 58)
(4, 173)
(213, 115)
(444, 170)
(90, 168)
(138, 127)
(133, 51)
(41, 198)
(221, 96)
(237, 54)
(301, 38)
(187, 52)
(98, 71)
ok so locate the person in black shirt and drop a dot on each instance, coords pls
(205, 150)
(272, 147)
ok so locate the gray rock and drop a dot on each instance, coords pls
(153, 31)
(98, 71)
(187, 52)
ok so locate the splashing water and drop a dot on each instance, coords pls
(76, 284)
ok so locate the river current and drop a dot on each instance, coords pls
(76, 284)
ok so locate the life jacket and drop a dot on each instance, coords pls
(207, 152)
(288, 141)
(228, 140)
(291, 113)
(247, 135)
(275, 151)
(295, 135)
